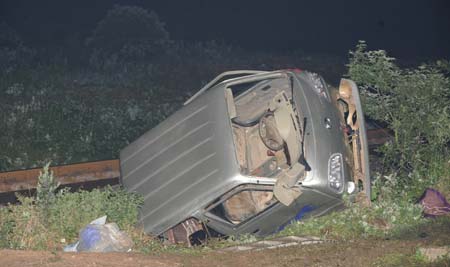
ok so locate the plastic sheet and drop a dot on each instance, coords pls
(100, 237)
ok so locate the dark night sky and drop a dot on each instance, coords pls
(415, 28)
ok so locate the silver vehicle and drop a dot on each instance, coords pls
(249, 153)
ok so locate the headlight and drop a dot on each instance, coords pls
(336, 172)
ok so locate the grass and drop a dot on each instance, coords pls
(398, 259)
(381, 220)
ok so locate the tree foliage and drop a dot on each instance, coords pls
(128, 33)
(415, 104)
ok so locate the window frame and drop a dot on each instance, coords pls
(240, 188)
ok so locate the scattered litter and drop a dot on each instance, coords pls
(434, 203)
(99, 236)
(99, 221)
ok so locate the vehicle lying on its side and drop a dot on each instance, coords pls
(249, 153)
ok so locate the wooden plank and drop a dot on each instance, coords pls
(67, 174)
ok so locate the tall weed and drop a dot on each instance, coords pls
(32, 225)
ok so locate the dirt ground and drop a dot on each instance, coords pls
(356, 253)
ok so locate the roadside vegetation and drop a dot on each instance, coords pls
(89, 101)
(415, 104)
(53, 219)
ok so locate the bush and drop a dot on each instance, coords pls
(55, 218)
(415, 104)
(45, 191)
(83, 206)
(127, 33)
(22, 227)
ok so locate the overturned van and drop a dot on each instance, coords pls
(249, 153)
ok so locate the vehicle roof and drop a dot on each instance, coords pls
(182, 163)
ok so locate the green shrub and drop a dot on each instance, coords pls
(127, 33)
(46, 187)
(81, 207)
(415, 104)
(55, 218)
(24, 227)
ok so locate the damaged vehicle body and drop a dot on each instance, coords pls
(249, 153)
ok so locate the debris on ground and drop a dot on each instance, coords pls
(434, 203)
(435, 253)
(281, 242)
(99, 236)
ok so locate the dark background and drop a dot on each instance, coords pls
(404, 28)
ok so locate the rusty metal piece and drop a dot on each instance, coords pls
(345, 92)
(182, 232)
(68, 174)
(348, 92)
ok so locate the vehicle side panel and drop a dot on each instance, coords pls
(183, 163)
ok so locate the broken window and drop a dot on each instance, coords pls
(243, 203)
(267, 137)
